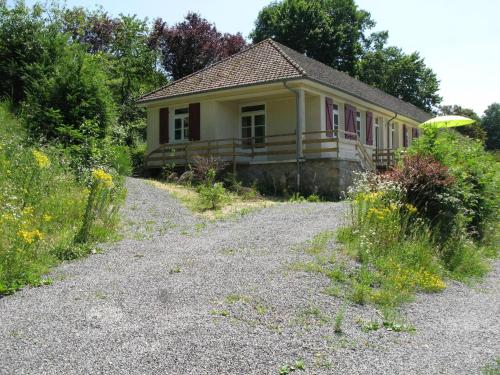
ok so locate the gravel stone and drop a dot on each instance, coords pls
(157, 302)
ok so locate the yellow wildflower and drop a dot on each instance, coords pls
(30, 236)
(47, 218)
(101, 176)
(410, 208)
(380, 213)
(41, 159)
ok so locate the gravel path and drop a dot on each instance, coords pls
(181, 296)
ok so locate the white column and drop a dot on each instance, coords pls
(301, 120)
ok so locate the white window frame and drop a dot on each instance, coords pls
(184, 127)
(392, 135)
(253, 114)
(377, 128)
(335, 108)
(358, 124)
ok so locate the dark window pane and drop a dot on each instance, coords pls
(260, 120)
(181, 111)
(177, 134)
(246, 132)
(246, 121)
(259, 131)
(178, 123)
(186, 122)
(335, 107)
(253, 108)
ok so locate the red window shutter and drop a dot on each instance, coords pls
(350, 121)
(164, 125)
(414, 132)
(405, 136)
(369, 128)
(329, 117)
(194, 122)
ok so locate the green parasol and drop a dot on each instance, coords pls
(441, 122)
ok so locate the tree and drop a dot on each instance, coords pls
(192, 45)
(72, 102)
(26, 39)
(96, 30)
(403, 75)
(331, 31)
(475, 130)
(491, 124)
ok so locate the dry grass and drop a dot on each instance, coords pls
(234, 205)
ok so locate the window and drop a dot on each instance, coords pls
(253, 124)
(181, 124)
(378, 126)
(358, 124)
(335, 117)
(393, 136)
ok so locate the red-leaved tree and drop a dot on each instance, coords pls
(192, 44)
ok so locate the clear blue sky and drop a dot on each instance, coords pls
(460, 39)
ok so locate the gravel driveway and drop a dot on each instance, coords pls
(181, 296)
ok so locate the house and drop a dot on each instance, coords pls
(279, 119)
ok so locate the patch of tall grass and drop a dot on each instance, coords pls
(42, 208)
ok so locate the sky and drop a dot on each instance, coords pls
(459, 39)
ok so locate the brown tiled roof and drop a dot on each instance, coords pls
(270, 61)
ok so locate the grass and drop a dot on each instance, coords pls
(233, 205)
(492, 368)
(46, 214)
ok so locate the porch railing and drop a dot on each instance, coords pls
(274, 147)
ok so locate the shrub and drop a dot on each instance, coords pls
(426, 184)
(211, 194)
(203, 166)
(475, 174)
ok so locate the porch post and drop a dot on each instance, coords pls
(301, 122)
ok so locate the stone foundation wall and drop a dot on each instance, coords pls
(325, 177)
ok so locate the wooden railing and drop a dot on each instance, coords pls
(272, 147)
(245, 150)
(384, 157)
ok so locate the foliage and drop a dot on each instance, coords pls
(211, 194)
(26, 42)
(72, 102)
(98, 203)
(192, 44)
(408, 227)
(491, 124)
(475, 173)
(204, 167)
(426, 185)
(403, 75)
(41, 208)
(330, 31)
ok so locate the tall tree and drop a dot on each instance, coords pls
(192, 44)
(28, 45)
(491, 124)
(403, 75)
(331, 31)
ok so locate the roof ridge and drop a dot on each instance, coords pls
(288, 58)
(353, 78)
(251, 46)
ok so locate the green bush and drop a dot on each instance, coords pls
(475, 173)
(71, 103)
